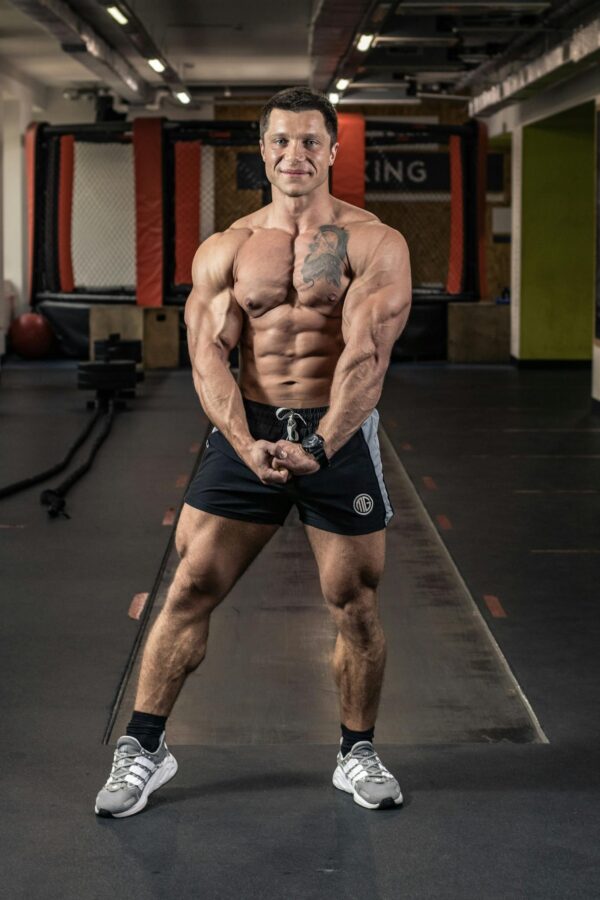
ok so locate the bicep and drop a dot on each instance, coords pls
(212, 315)
(213, 319)
(378, 302)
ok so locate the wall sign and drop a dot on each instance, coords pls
(419, 172)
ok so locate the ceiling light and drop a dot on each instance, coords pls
(183, 97)
(117, 15)
(342, 84)
(364, 42)
(157, 65)
(334, 98)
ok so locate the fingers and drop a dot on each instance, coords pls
(271, 476)
(280, 465)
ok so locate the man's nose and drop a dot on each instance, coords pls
(294, 151)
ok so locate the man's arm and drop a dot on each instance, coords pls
(214, 324)
(375, 311)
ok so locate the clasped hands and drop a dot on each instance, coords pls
(275, 463)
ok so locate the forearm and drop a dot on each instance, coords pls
(221, 400)
(355, 391)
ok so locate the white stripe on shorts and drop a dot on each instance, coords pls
(369, 429)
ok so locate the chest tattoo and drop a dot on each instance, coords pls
(325, 257)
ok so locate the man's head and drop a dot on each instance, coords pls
(300, 99)
(298, 140)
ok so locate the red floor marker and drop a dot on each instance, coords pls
(406, 446)
(181, 481)
(169, 516)
(429, 483)
(444, 522)
(136, 607)
(195, 448)
(494, 606)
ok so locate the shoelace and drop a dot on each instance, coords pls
(121, 768)
(369, 761)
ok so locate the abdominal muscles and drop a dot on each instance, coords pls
(290, 359)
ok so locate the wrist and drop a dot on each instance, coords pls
(244, 449)
(314, 445)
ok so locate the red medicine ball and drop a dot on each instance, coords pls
(31, 336)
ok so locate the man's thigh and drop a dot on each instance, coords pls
(349, 565)
(215, 550)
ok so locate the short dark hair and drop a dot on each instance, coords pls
(297, 99)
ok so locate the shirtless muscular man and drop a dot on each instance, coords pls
(315, 292)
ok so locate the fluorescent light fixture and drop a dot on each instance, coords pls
(183, 97)
(117, 15)
(334, 98)
(157, 65)
(342, 84)
(364, 42)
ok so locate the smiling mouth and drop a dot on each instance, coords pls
(293, 172)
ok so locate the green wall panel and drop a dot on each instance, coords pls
(557, 238)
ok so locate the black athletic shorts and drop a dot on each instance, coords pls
(347, 497)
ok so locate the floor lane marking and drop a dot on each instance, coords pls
(169, 516)
(136, 607)
(494, 606)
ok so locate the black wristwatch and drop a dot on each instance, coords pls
(315, 445)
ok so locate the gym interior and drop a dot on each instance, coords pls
(128, 136)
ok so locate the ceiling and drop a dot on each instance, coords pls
(419, 47)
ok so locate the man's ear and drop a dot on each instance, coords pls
(333, 153)
(262, 149)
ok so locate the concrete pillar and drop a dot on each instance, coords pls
(17, 115)
(556, 285)
(596, 337)
(4, 323)
(515, 242)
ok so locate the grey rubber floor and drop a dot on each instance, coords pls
(484, 819)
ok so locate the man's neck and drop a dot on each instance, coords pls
(296, 214)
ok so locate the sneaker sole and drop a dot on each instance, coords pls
(341, 782)
(166, 771)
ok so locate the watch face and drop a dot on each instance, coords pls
(312, 441)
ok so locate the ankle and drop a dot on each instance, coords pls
(147, 728)
(350, 738)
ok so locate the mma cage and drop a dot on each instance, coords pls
(117, 210)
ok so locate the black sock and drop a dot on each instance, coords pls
(147, 729)
(350, 738)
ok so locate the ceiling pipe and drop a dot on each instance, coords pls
(84, 44)
(508, 55)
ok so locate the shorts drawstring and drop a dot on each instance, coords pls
(292, 429)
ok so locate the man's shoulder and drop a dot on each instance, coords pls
(363, 225)
(371, 239)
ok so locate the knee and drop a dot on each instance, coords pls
(354, 610)
(196, 589)
(358, 587)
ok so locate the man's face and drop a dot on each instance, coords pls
(297, 151)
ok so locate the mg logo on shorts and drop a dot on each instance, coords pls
(363, 504)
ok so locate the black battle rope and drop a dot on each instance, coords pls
(43, 476)
(54, 498)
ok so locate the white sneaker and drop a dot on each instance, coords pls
(135, 774)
